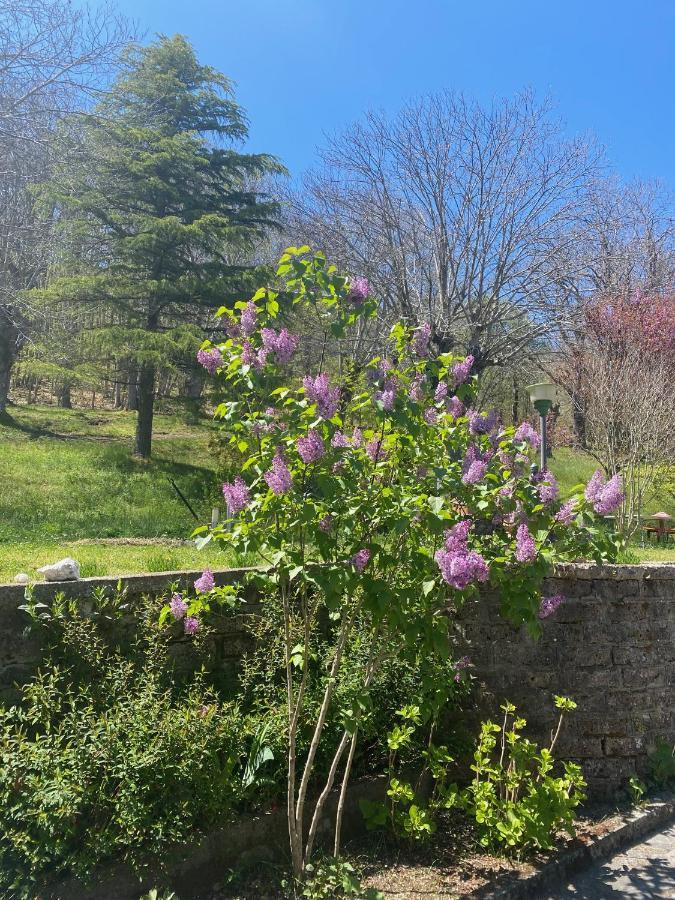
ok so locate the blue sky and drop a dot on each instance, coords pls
(309, 67)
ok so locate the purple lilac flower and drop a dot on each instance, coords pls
(232, 328)
(211, 359)
(526, 550)
(460, 665)
(248, 319)
(278, 478)
(248, 356)
(462, 369)
(205, 583)
(475, 472)
(566, 514)
(460, 566)
(455, 407)
(311, 448)
(421, 340)
(320, 392)
(518, 515)
(261, 357)
(525, 433)
(282, 344)
(547, 488)
(441, 392)
(360, 560)
(339, 439)
(326, 523)
(384, 365)
(605, 497)
(549, 605)
(357, 438)
(338, 466)
(376, 451)
(190, 624)
(178, 606)
(479, 424)
(415, 392)
(359, 290)
(387, 396)
(430, 416)
(237, 495)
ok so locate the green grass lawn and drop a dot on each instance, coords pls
(69, 476)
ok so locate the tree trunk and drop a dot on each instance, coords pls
(146, 408)
(9, 349)
(117, 394)
(132, 390)
(64, 399)
(515, 402)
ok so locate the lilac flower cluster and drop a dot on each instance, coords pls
(441, 392)
(461, 370)
(237, 495)
(567, 512)
(455, 407)
(463, 663)
(250, 357)
(474, 466)
(415, 392)
(547, 488)
(460, 566)
(526, 550)
(278, 478)
(360, 560)
(178, 606)
(282, 344)
(376, 451)
(339, 440)
(248, 319)
(525, 433)
(311, 447)
(205, 583)
(387, 396)
(479, 424)
(319, 391)
(549, 605)
(359, 290)
(430, 416)
(191, 624)
(605, 496)
(421, 340)
(211, 359)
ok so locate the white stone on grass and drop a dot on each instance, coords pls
(66, 569)
(21, 578)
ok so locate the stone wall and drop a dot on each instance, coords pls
(611, 647)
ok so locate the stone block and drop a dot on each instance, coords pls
(635, 745)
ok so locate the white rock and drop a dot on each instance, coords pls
(64, 570)
(21, 578)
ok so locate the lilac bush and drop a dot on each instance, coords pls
(384, 504)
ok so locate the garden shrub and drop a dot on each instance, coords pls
(377, 497)
(110, 758)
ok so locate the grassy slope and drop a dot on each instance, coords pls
(69, 474)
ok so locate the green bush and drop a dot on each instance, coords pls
(515, 799)
(110, 759)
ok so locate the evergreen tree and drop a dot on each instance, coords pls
(159, 213)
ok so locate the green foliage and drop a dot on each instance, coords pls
(109, 755)
(636, 790)
(330, 877)
(515, 799)
(662, 765)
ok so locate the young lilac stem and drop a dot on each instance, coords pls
(343, 794)
(328, 787)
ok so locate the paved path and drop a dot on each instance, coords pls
(646, 870)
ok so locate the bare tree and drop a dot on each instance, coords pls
(460, 215)
(53, 58)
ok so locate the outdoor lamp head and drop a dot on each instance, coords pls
(543, 397)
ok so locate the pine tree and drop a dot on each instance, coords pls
(160, 213)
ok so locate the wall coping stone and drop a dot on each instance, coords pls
(13, 595)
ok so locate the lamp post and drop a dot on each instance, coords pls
(542, 396)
